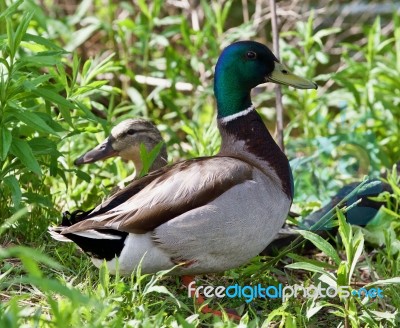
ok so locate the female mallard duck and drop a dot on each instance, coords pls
(125, 140)
(196, 212)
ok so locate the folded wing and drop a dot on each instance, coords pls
(162, 195)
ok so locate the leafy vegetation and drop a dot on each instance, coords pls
(68, 75)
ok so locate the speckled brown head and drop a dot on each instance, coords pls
(125, 140)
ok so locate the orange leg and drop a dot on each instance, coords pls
(187, 280)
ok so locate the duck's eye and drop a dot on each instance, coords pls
(285, 71)
(131, 131)
(251, 55)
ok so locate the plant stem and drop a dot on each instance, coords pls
(278, 91)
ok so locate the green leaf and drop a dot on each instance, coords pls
(33, 120)
(54, 286)
(327, 280)
(144, 8)
(321, 244)
(10, 37)
(342, 274)
(104, 277)
(5, 142)
(86, 67)
(34, 198)
(54, 97)
(379, 315)
(40, 60)
(327, 31)
(21, 149)
(390, 281)
(21, 29)
(81, 35)
(358, 245)
(44, 42)
(148, 158)
(159, 290)
(90, 87)
(299, 258)
(373, 39)
(34, 82)
(11, 9)
(313, 310)
(10, 221)
(64, 105)
(86, 111)
(75, 70)
(308, 267)
(345, 231)
(342, 79)
(44, 146)
(95, 68)
(137, 98)
(369, 185)
(22, 251)
(16, 193)
(82, 175)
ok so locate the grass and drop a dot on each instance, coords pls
(67, 76)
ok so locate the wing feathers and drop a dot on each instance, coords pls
(157, 198)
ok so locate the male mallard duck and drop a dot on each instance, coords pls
(125, 140)
(208, 214)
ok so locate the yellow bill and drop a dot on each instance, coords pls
(282, 75)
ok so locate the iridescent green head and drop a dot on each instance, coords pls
(244, 65)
